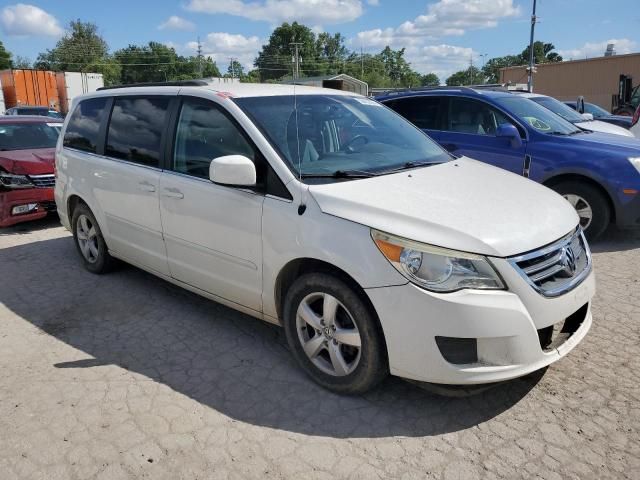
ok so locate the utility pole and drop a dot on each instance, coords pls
(361, 62)
(471, 69)
(531, 56)
(232, 66)
(199, 58)
(483, 56)
(296, 60)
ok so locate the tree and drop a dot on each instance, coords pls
(81, 49)
(235, 70)
(22, 62)
(332, 52)
(491, 69)
(542, 53)
(468, 76)
(80, 46)
(156, 62)
(430, 80)
(5, 58)
(274, 61)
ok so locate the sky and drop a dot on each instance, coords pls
(440, 36)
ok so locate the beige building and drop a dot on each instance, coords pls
(594, 78)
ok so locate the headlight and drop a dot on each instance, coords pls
(435, 268)
(9, 180)
(635, 161)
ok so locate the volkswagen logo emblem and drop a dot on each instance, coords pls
(568, 261)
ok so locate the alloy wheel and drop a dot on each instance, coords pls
(328, 334)
(87, 238)
(583, 209)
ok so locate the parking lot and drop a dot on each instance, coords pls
(126, 376)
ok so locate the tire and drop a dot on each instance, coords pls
(357, 372)
(583, 197)
(90, 242)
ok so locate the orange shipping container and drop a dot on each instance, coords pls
(30, 87)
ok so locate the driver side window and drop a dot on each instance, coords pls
(471, 116)
(203, 133)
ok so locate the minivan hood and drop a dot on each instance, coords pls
(28, 162)
(462, 204)
(604, 127)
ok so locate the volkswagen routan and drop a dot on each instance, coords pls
(329, 214)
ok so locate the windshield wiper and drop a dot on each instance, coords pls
(408, 165)
(341, 174)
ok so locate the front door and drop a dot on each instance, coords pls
(470, 130)
(213, 233)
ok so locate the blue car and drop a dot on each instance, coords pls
(598, 173)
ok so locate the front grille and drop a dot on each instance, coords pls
(43, 181)
(557, 268)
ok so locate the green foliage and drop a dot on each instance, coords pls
(5, 58)
(235, 70)
(491, 70)
(79, 47)
(470, 76)
(542, 53)
(430, 80)
(22, 62)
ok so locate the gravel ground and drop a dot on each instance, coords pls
(126, 376)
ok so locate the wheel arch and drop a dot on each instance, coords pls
(298, 267)
(569, 177)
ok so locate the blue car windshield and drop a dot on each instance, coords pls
(537, 116)
(340, 133)
(559, 108)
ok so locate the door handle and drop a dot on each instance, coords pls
(172, 193)
(146, 186)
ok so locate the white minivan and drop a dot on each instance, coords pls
(329, 214)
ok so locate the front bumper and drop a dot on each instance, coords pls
(9, 199)
(505, 324)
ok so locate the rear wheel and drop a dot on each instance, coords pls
(333, 335)
(90, 242)
(590, 205)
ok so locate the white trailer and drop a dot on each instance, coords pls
(72, 84)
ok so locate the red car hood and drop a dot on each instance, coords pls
(28, 162)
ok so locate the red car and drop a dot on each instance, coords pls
(27, 146)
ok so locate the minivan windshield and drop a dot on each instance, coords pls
(537, 116)
(559, 108)
(340, 135)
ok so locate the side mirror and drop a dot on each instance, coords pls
(580, 104)
(587, 116)
(233, 170)
(507, 130)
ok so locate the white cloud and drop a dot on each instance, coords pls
(315, 12)
(596, 49)
(28, 20)
(220, 46)
(443, 60)
(177, 23)
(444, 18)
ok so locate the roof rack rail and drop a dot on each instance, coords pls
(178, 83)
(391, 91)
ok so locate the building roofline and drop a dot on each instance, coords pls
(579, 60)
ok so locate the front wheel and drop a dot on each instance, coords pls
(590, 205)
(333, 335)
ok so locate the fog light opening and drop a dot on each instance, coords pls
(24, 209)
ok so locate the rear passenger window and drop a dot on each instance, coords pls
(204, 132)
(84, 125)
(135, 129)
(421, 111)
